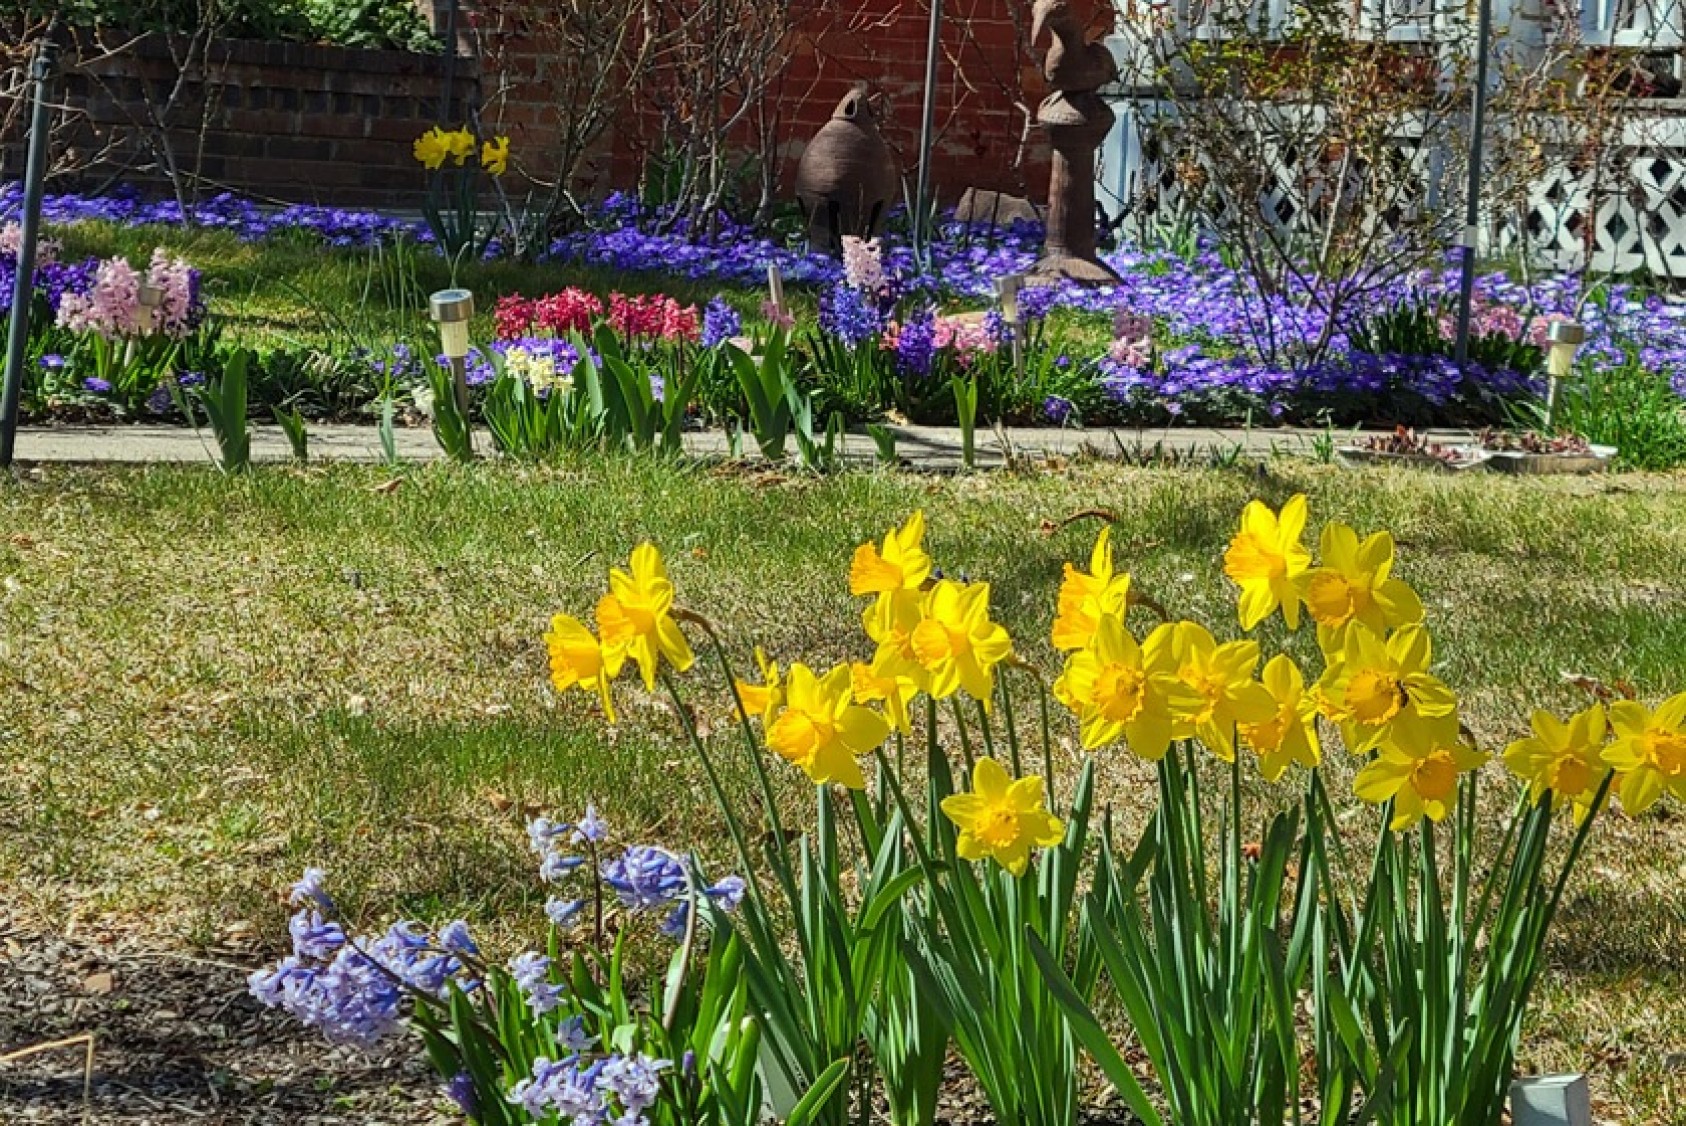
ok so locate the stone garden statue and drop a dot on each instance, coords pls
(1077, 121)
(846, 177)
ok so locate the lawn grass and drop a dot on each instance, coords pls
(210, 683)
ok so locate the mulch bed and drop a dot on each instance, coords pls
(178, 1040)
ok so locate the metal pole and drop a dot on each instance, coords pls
(445, 94)
(927, 129)
(23, 286)
(1472, 200)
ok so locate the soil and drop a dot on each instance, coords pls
(178, 1040)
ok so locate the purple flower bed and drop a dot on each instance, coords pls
(1224, 352)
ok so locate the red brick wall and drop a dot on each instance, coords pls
(329, 125)
(287, 121)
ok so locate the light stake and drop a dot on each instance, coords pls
(451, 310)
(1007, 288)
(1565, 339)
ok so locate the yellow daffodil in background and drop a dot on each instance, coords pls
(459, 145)
(494, 156)
(577, 658)
(1371, 684)
(766, 698)
(1649, 751)
(1221, 676)
(1565, 759)
(822, 730)
(1290, 735)
(901, 565)
(431, 148)
(1121, 689)
(1085, 597)
(1002, 819)
(1353, 583)
(636, 618)
(1417, 768)
(1266, 560)
(956, 643)
(886, 681)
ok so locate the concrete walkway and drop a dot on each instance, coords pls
(933, 447)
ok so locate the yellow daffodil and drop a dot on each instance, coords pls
(459, 145)
(494, 156)
(887, 681)
(577, 658)
(1002, 819)
(764, 699)
(889, 620)
(1353, 583)
(1290, 735)
(636, 617)
(431, 148)
(901, 565)
(956, 643)
(1222, 677)
(822, 730)
(1121, 689)
(1565, 759)
(1266, 559)
(1371, 684)
(1649, 751)
(1085, 597)
(1418, 768)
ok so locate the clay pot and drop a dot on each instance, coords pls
(847, 177)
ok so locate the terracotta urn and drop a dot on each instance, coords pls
(847, 177)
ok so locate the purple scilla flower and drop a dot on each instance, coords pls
(558, 866)
(591, 827)
(571, 1034)
(313, 936)
(635, 1081)
(454, 936)
(55, 362)
(727, 895)
(721, 323)
(94, 385)
(460, 1090)
(1036, 301)
(542, 833)
(847, 315)
(160, 402)
(309, 889)
(565, 913)
(916, 345)
(1056, 409)
(531, 972)
(645, 877)
(190, 378)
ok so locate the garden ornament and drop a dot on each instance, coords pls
(1077, 121)
(847, 177)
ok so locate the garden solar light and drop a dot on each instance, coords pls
(1551, 1100)
(1007, 288)
(452, 309)
(1564, 338)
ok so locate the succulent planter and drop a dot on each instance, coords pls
(1594, 459)
(1468, 457)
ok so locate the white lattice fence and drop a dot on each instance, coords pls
(1638, 222)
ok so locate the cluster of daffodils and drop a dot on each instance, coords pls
(934, 637)
(434, 147)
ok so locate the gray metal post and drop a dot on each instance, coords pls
(1472, 204)
(23, 288)
(927, 130)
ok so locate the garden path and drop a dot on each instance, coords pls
(925, 447)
